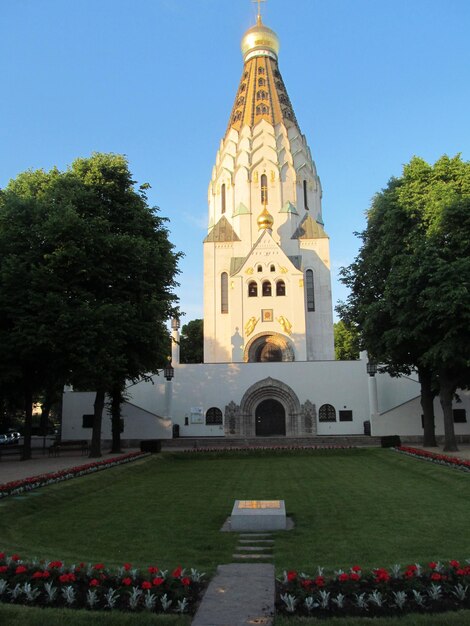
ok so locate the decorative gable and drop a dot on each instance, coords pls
(309, 229)
(222, 232)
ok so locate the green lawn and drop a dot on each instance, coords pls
(459, 618)
(368, 506)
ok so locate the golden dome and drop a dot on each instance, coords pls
(259, 38)
(265, 220)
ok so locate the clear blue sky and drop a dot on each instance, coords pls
(372, 82)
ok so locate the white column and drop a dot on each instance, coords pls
(175, 341)
(373, 397)
(168, 399)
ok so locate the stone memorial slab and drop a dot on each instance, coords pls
(258, 515)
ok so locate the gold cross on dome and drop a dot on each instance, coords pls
(259, 7)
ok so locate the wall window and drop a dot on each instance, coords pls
(222, 191)
(345, 416)
(261, 70)
(264, 189)
(262, 109)
(305, 196)
(261, 95)
(224, 293)
(310, 290)
(252, 289)
(327, 413)
(267, 290)
(261, 82)
(87, 421)
(460, 416)
(272, 268)
(259, 268)
(214, 416)
(280, 288)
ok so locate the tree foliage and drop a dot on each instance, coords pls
(86, 281)
(346, 342)
(410, 281)
(192, 342)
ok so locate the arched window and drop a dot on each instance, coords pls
(242, 87)
(310, 290)
(213, 416)
(280, 288)
(222, 200)
(272, 268)
(262, 109)
(327, 413)
(305, 196)
(240, 101)
(252, 289)
(259, 268)
(224, 293)
(267, 290)
(261, 82)
(261, 70)
(261, 95)
(264, 189)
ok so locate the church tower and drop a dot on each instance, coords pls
(267, 286)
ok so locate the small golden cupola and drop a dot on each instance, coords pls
(265, 220)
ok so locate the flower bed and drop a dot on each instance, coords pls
(382, 592)
(442, 459)
(27, 484)
(51, 583)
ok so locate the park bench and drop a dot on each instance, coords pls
(61, 446)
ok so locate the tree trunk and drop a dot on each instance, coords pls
(44, 420)
(427, 404)
(28, 423)
(446, 394)
(95, 449)
(116, 400)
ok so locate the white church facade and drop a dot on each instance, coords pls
(269, 367)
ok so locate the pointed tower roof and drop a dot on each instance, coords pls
(261, 93)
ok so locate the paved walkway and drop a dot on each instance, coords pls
(239, 594)
(14, 469)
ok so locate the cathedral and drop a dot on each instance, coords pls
(269, 367)
(267, 290)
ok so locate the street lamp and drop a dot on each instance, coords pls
(169, 370)
(371, 368)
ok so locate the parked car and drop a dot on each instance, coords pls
(14, 436)
(4, 439)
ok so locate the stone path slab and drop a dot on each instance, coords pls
(238, 595)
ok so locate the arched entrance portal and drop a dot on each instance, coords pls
(268, 348)
(270, 419)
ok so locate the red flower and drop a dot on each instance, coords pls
(186, 581)
(2, 556)
(409, 573)
(319, 581)
(127, 566)
(37, 574)
(436, 576)
(21, 569)
(432, 565)
(356, 568)
(94, 583)
(152, 569)
(158, 581)
(146, 585)
(98, 566)
(3, 568)
(291, 576)
(306, 583)
(355, 576)
(412, 568)
(343, 577)
(177, 572)
(57, 564)
(15, 557)
(67, 578)
(381, 575)
(454, 564)
(127, 581)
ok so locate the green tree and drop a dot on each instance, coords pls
(86, 282)
(409, 282)
(346, 342)
(192, 342)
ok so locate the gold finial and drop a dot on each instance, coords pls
(258, 17)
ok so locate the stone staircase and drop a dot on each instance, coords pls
(254, 547)
(227, 443)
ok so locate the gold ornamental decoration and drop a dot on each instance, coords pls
(251, 325)
(285, 324)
